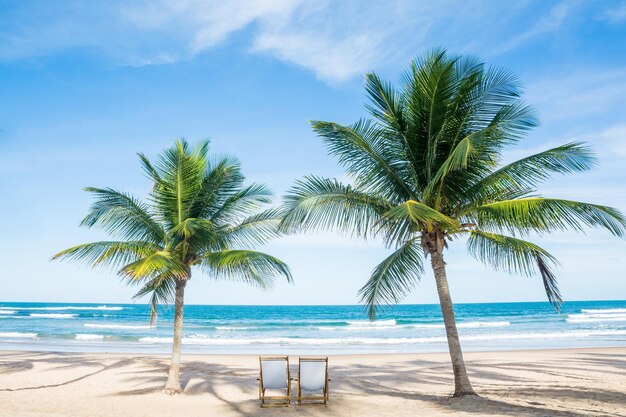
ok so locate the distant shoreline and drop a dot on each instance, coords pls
(444, 354)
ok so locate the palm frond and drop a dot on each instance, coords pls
(319, 203)
(526, 173)
(403, 221)
(248, 266)
(474, 144)
(241, 204)
(538, 214)
(511, 255)
(181, 175)
(194, 232)
(369, 156)
(162, 290)
(254, 230)
(157, 263)
(386, 104)
(222, 180)
(109, 254)
(429, 87)
(122, 215)
(393, 278)
(149, 169)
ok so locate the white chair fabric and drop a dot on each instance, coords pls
(313, 375)
(274, 374)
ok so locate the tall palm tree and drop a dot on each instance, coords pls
(426, 170)
(199, 214)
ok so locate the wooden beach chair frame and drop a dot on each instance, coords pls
(314, 399)
(274, 400)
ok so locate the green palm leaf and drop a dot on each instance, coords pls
(320, 203)
(161, 290)
(108, 254)
(222, 180)
(181, 175)
(365, 152)
(505, 253)
(538, 214)
(393, 278)
(251, 267)
(244, 203)
(522, 176)
(405, 220)
(161, 262)
(254, 230)
(122, 215)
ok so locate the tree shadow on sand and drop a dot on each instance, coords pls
(57, 361)
(354, 386)
(509, 395)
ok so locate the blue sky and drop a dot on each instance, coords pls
(86, 85)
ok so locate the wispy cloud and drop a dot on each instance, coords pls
(205, 24)
(133, 33)
(582, 93)
(616, 14)
(551, 22)
(336, 40)
(614, 138)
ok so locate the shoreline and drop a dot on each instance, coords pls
(330, 355)
(555, 382)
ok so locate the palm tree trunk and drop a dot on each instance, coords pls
(172, 386)
(462, 385)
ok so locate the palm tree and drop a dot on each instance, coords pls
(426, 170)
(199, 214)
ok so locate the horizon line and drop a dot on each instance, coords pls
(305, 305)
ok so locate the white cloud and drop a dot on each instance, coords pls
(551, 22)
(206, 23)
(581, 93)
(333, 60)
(614, 139)
(310, 34)
(616, 14)
(337, 40)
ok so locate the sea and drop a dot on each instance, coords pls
(69, 327)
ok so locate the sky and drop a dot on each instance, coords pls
(84, 86)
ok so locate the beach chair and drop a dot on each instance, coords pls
(313, 380)
(274, 375)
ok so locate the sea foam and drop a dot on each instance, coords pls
(18, 335)
(87, 336)
(117, 326)
(392, 324)
(215, 341)
(598, 315)
(103, 307)
(52, 315)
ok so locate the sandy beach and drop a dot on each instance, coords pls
(568, 382)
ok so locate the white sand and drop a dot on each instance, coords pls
(576, 382)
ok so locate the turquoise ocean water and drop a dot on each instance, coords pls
(310, 329)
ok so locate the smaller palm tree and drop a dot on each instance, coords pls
(199, 214)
